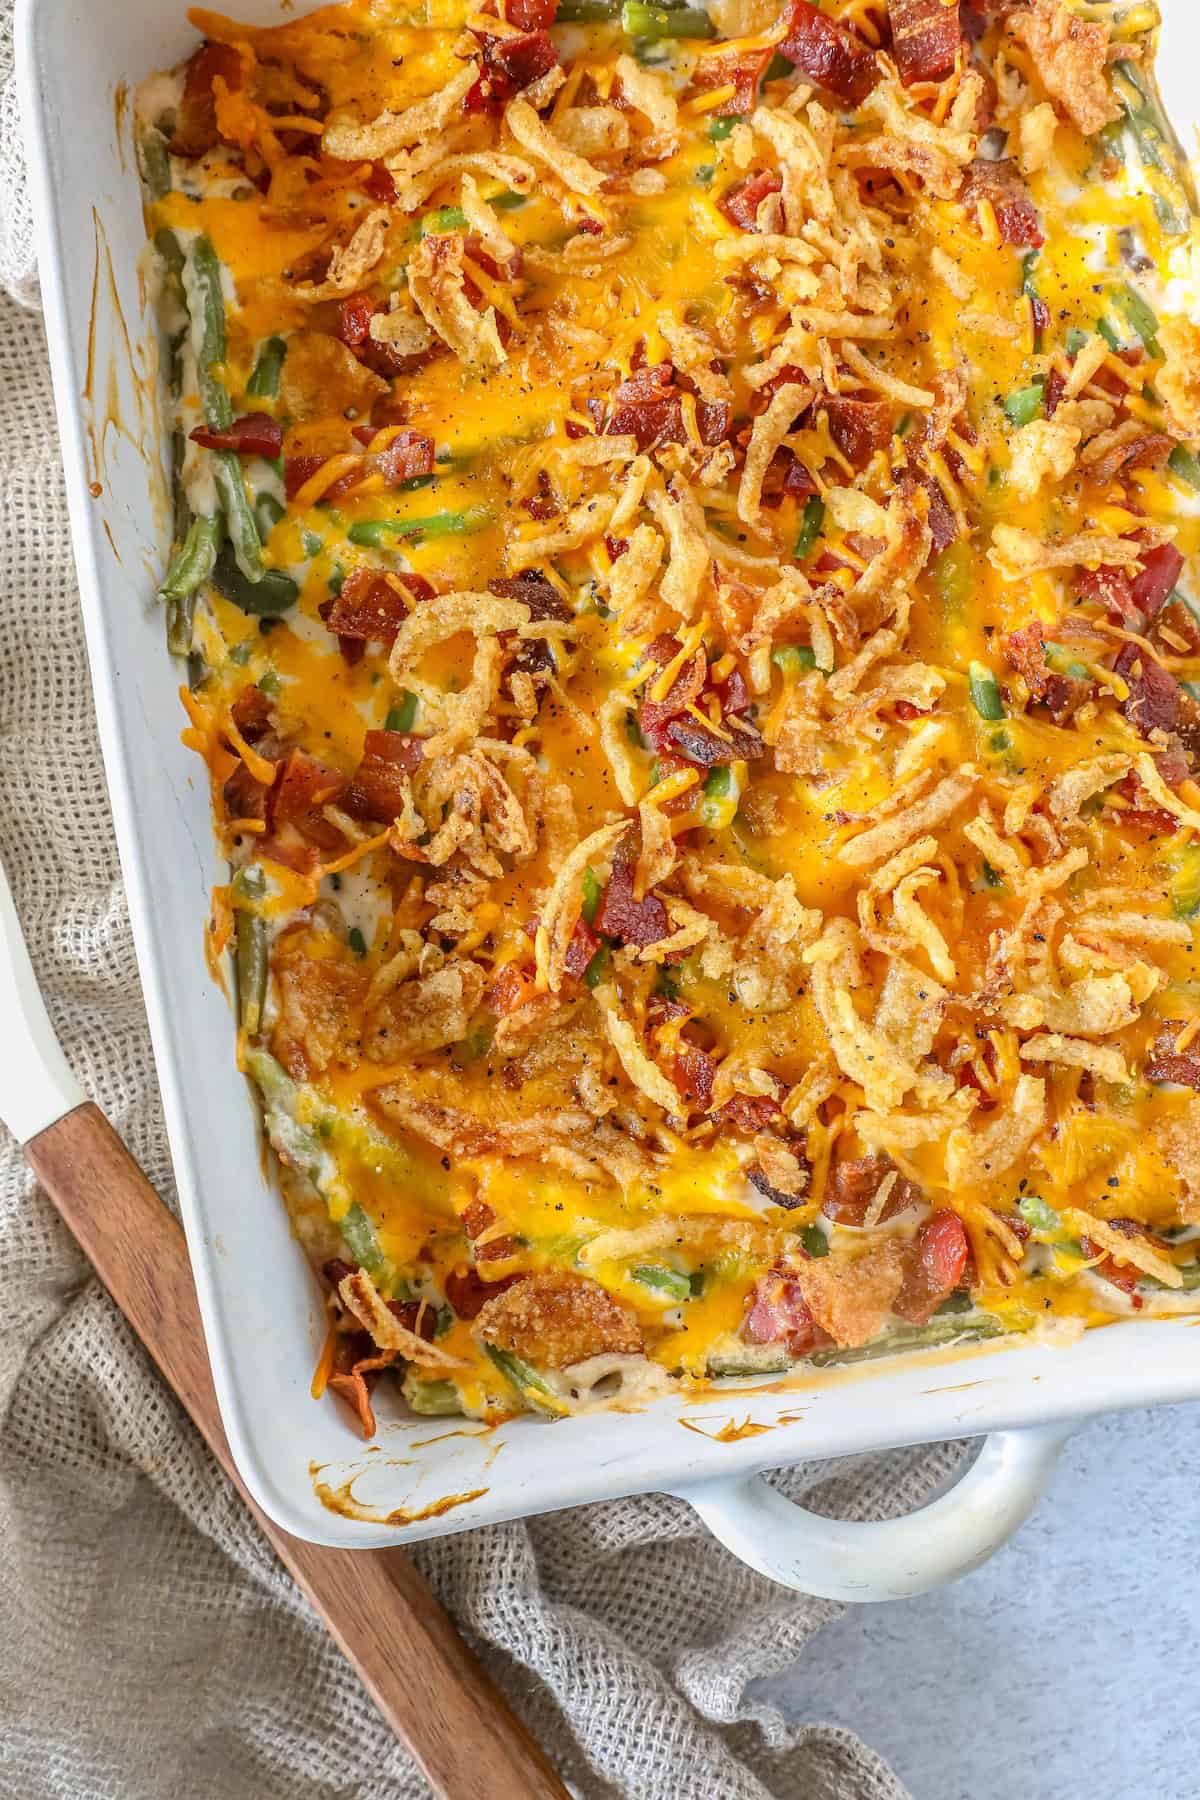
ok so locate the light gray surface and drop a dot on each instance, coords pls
(1062, 1670)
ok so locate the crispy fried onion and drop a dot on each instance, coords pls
(645, 1074)
(977, 1158)
(564, 903)
(456, 717)
(768, 433)
(1076, 1053)
(1016, 552)
(350, 263)
(862, 1053)
(436, 281)
(573, 171)
(678, 514)
(893, 832)
(361, 1298)
(352, 141)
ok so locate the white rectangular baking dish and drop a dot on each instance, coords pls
(262, 1316)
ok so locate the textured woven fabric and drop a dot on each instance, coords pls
(151, 1645)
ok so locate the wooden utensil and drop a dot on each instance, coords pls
(420, 1674)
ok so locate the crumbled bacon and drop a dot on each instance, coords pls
(357, 1363)
(859, 427)
(196, 126)
(369, 609)
(685, 688)
(531, 15)
(244, 795)
(694, 1074)
(535, 591)
(477, 1218)
(467, 1291)
(1001, 184)
(708, 749)
(251, 713)
(355, 313)
(943, 525)
(1025, 651)
(854, 1183)
(1165, 1063)
(380, 185)
(299, 469)
(623, 918)
(740, 69)
(937, 1262)
(378, 788)
(1160, 570)
(1154, 693)
(828, 53)
(582, 946)
(301, 788)
(750, 1113)
(925, 38)
(778, 1314)
(507, 65)
(740, 203)
(649, 408)
(254, 434)
(406, 455)
(1144, 452)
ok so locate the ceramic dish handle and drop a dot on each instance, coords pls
(894, 1558)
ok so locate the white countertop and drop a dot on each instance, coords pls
(1062, 1670)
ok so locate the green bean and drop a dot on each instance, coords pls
(251, 961)
(156, 164)
(953, 1330)
(264, 380)
(794, 659)
(267, 598)
(591, 895)
(1141, 316)
(402, 716)
(531, 1386)
(193, 561)
(1059, 658)
(360, 1239)
(1156, 145)
(1076, 339)
(750, 1359)
(1029, 287)
(811, 521)
(660, 1280)
(243, 532)
(433, 1399)
(653, 23)
(168, 247)
(356, 941)
(597, 970)
(206, 300)
(1034, 1210)
(720, 129)
(446, 218)
(181, 512)
(375, 533)
(1185, 466)
(985, 692)
(1185, 884)
(814, 1240)
(1024, 404)
(951, 573)
(267, 513)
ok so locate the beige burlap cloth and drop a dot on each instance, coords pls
(150, 1645)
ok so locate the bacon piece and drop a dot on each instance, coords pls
(368, 609)
(404, 457)
(355, 313)
(467, 1292)
(377, 788)
(750, 1113)
(1144, 452)
(535, 591)
(1025, 651)
(1160, 570)
(244, 795)
(943, 526)
(937, 1263)
(531, 15)
(1165, 1063)
(707, 749)
(581, 947)
(854, 1183)
(301, 788)
(477, 1218)
(1154, 693)
(828, 53)
(1110, 588)
(649, 407)
(380, 185)
(508, 64)
(196, 127)
(299, 469)
(740, 69)
(1121, 1275)
(740, 203)
(1001, 183)
(859, 427)
(694, 1074)
(925, 38)
(778, 1314)
(353, 1383)
(686, 686)
(619, 915)
(254, 434)
(251, 713)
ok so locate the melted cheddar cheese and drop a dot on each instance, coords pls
(685, 545)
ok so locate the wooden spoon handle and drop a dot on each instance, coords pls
(418, 1671)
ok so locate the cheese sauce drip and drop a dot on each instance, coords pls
(684, 539)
